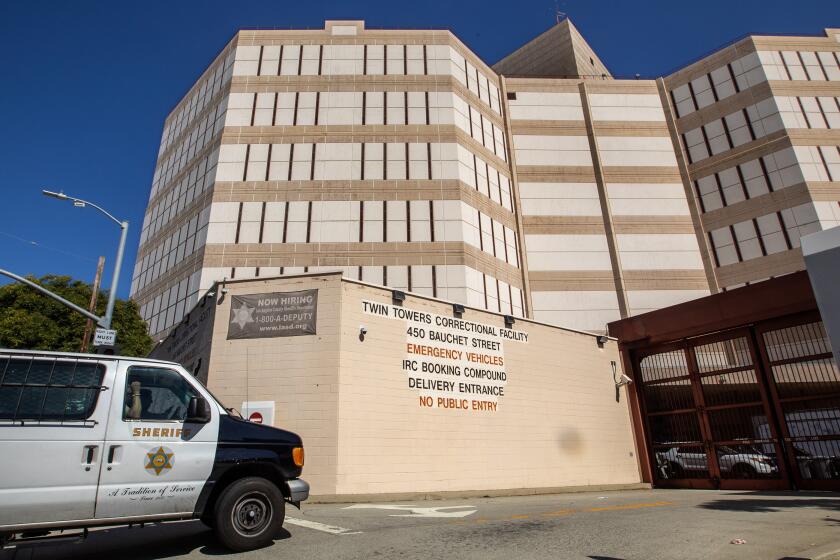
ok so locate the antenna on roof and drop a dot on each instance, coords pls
(558, 15)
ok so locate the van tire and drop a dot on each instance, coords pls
(249, 514)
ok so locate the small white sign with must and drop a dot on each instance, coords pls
(104, 337)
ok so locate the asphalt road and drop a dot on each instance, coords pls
(642, 524)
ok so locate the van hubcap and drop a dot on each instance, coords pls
(252, 514)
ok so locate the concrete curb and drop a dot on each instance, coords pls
(454, 494)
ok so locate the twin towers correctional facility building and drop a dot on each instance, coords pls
(540, 187)
(410, 257)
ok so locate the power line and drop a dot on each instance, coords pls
(32, 243)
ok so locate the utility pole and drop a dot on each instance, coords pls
(92, 308)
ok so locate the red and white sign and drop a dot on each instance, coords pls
(259, 412)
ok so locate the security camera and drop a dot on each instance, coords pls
(623, 380)
(362, 330)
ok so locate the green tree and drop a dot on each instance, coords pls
(31, 320)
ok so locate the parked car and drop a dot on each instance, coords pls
(743, 462)
(820, 467)
(91, 440)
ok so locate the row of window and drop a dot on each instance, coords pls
(294, 162)
(193, 126)
(769, 173)
(765, 235)
(296, 108)
(351, 161)
(200, 95)
(191, 185)
(809, 112)
(750, 239)
(718, 84)
(305, 108)
(733, 130)
(318, 221)
(819, 163)
(332, 160)
(751, 70)
(361, 221)
(200, 136)
(336, 60)
(801, 65)
(748, 180)
(182, 243)
(170, 306)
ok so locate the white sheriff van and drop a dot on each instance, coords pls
(89, 440)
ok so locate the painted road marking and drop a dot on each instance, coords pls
(419, 511)
(558, 513)
(320, 526)
(631, 506)
(562, 512)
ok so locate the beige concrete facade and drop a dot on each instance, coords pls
(540, 187)
(365, 429)
(607, 224)
(379, 153)
(759, 125)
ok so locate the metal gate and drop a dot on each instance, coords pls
(751, 408)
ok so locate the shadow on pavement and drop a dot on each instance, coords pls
(154, 541)
(767, 502)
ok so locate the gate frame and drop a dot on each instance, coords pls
(783, 322)
(753, 309)
(715, 480)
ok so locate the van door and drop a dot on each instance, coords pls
(53, 413)
(155, 463)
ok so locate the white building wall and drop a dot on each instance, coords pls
(588, 310)
(556, 199)
(626, 107)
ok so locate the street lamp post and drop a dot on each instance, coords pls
(112, 296)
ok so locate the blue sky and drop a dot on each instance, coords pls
(85, 87)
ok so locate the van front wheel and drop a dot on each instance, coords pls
(249, 514)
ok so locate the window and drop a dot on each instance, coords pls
(32, 389)
(511, 95)
(689, 450)
(155, 394)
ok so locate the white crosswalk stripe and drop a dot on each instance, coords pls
(320, 526)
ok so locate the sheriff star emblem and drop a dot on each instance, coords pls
(159, 460)
(243, 316)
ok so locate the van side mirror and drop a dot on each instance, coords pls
(198, 411)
